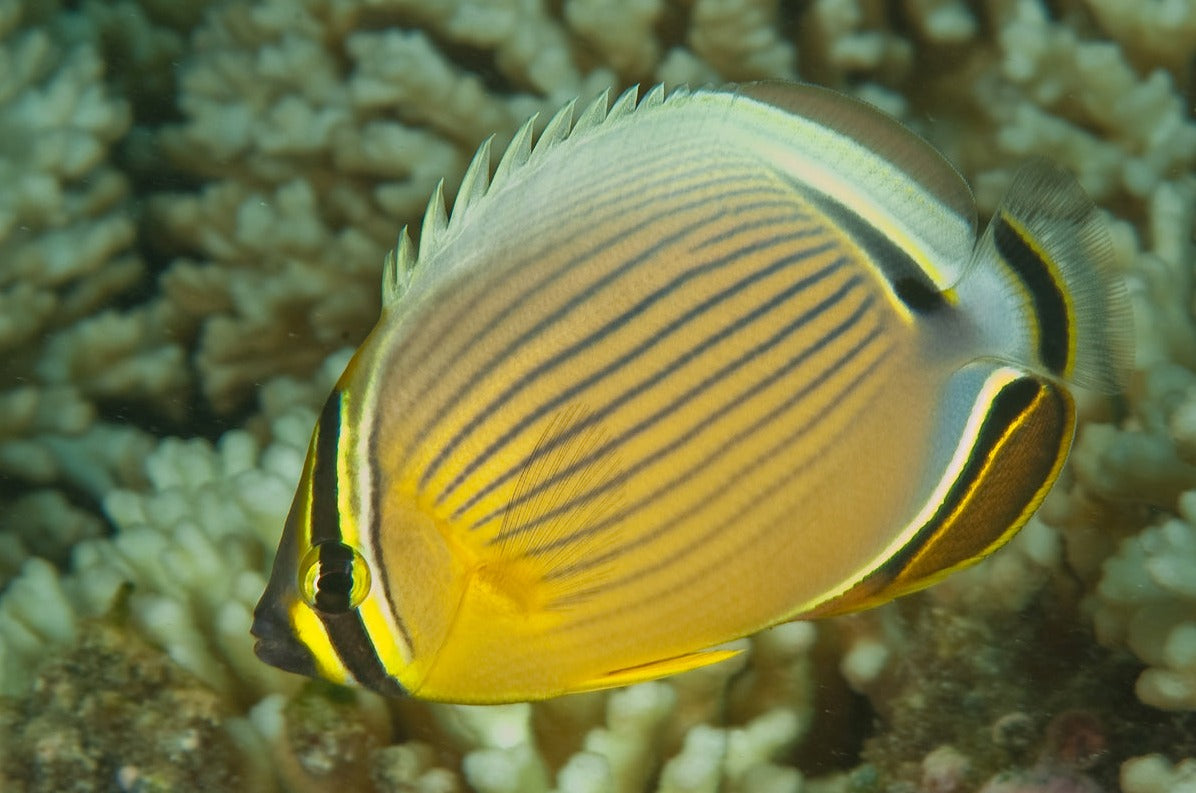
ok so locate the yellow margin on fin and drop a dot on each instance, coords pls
(927, 555)
(663, 668)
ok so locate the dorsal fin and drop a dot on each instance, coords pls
(431, 233)
(474, 184)
(624, 105)
(396, 269)
(593, 115)
(654, 98)
(556, 130)
(402, 265)
(875, 130)
(873, 167)
(515, 157)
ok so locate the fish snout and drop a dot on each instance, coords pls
(276, 642)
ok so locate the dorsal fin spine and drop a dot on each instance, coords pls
(654, 98)
(391, 291)
(623, 105)
(435, 223)
(401, 266)
(405, 258)
(474, 184)
(555, 131)
(593, 115)
(397, 267)
(516, 155)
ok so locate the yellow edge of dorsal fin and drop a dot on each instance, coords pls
(521, 154)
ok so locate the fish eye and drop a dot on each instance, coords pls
(333, 577)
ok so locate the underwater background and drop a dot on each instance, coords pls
(195, 202)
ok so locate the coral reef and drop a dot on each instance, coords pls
(198, 198)
(67, 248)
(114, 709)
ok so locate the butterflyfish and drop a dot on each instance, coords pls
(691, 365)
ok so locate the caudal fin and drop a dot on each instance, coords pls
(1057, 256)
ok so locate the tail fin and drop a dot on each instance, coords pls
(1057, 256)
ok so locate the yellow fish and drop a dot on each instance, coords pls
(683, 370)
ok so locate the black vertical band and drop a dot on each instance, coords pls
(1046, 293)
(346, 630)
(325, 495)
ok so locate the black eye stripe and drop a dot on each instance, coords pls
(325, 512)
(334, 582)
(337, 578)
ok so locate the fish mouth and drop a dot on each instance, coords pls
(276, 643)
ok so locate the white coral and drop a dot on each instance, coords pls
(67, 229)
(739, 39)
(191, 551)
(1155, 774)
(621, 30)
(62, 223)
(1081, 103)
(317, 128)
(322, 135)
(1147, 602)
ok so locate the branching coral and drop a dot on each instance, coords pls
(1147, 602)
(1082, 103)
(321, 133)
(174, 238)
(67, 233)
(1155, 774)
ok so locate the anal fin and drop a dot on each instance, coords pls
(1004, 436)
